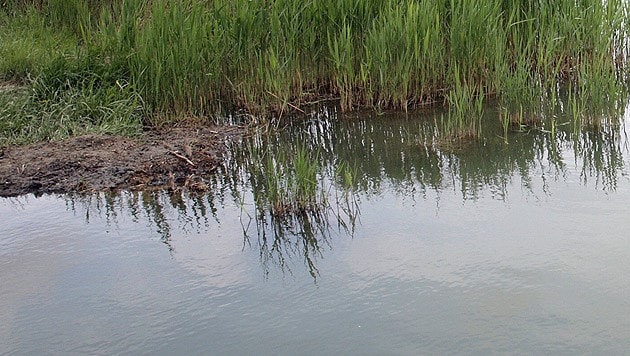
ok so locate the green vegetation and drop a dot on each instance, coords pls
(66, 101)
(289, 185)
(55, 86)
(127, 60)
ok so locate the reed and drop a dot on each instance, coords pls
(272, 57)
(465, 111)
(347, 176)
(287, 185)
(306, 183)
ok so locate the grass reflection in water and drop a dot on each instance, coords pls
(293, 191)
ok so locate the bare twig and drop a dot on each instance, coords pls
(178, 155)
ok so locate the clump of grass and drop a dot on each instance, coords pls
(62, 88)
(67, 101)
(305, 184)
(347, 204)
(465, 111)
(347, 176)
(69, 113)
(289, 185)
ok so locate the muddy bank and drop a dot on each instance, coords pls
(173, 158)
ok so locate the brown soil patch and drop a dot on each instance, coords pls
(173, 158)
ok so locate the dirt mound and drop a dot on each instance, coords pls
(163, 159)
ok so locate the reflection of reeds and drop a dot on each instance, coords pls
(295, 197)
(293, 209)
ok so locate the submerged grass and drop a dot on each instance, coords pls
(290, 184)
(270, 57)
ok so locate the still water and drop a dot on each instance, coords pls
(510, 244)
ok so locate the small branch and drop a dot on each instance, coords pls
(176, 154)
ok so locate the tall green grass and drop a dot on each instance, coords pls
(65, 77)
(28, 46)
(289, 184)
(274, 56)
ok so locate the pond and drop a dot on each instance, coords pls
(517, 241)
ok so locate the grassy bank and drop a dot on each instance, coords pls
(53, 85)
(141, 60)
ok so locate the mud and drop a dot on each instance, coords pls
(169, 159)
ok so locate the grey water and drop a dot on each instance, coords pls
(516, 242)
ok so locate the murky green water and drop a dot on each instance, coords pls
(492, 247)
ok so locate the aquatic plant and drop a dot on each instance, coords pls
(465, 111)
(204, 57)
(179, 58)
(290, 185)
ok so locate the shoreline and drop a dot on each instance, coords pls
(173, 158)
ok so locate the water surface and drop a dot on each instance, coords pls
(489, 247)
